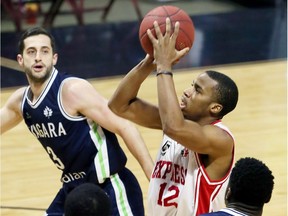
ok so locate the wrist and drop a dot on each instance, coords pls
(164, 67)
(169, 73)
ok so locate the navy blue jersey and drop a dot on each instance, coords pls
(225, 212)
(79, 147)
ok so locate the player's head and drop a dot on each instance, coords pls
(226, 91)
(251, 183)
(212, 94)
(32, 32)
(87, 199)
(37, 54)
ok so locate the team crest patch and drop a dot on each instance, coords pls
(165, 147)
(48, 112)
(184, 152)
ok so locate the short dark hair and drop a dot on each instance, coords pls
(87, 199)
(32, 32)
(251, 182)
(226, 91)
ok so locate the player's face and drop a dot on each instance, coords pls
(38, 58)
(196, 101)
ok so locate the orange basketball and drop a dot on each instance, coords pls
(186, 32)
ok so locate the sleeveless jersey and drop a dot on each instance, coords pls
(79, 147)
(179, 184)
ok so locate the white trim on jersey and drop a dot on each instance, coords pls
(233, 212)
(44, 92)
(63, 111)
(203, 171)
(197, 190)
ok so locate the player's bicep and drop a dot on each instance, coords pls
(79, 97)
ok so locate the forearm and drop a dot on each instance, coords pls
(8, 120)
(129, 86)
(169, 108)
(138, 149)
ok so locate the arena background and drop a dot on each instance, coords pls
(245, 39)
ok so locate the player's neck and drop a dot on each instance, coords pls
(38, 85)
(36, 90)
(246, 209)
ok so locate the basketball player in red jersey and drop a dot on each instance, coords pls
(196, 156)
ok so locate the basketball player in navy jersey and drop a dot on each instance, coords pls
(76, 128)
(196, 156)
(250, 187)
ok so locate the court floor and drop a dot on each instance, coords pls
(29, 179)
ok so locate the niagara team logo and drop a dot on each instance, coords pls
(47, 112)
(165, 147)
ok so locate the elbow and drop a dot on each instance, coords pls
(169, 128)
(111, 106)
(118, 109)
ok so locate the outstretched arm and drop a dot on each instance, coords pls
(136, 145)
(10, 113)
(95, 107)
(125, 103)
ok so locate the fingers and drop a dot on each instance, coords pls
(168, 27)
(183, 52)
(157, 30)
(164, 44)
(176, 31)
(151, 37)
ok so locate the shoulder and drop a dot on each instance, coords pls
(17, 96)
(20, 91)
(74, 82)
(15, 100)
(218, 131)
(78, 95)
(221, 140)
(75, 86)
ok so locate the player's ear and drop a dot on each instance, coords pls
(215, 108)
(20, 59)
(55, 58)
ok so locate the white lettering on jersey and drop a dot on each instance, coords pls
(49, 131)
(72, 176)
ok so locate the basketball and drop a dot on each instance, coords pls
(186, 31)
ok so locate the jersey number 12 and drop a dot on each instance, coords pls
(168, 201)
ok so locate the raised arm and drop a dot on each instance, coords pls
(94, 106)
(10, 113)
(198, 136)
(125, 103)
